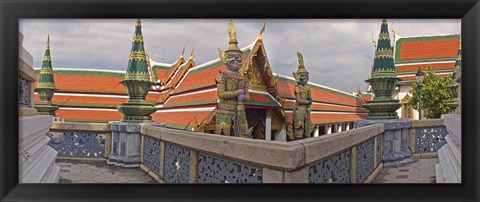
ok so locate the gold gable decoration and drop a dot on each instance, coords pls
(254, 76)
(208, 123)
(277, 123)
(406, 99)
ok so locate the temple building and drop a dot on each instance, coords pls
(185, 96)
(411, 53)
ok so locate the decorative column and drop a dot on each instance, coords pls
(382, 109)
(46, 85)
(36, 160)
(268, 125)
(126, 138)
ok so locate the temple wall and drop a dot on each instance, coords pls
(175, 156)
(36, 158)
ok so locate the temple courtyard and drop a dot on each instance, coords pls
(80, 171)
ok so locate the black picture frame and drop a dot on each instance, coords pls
(12, 11)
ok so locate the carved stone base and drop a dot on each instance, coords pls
(395, 141)
(136, 111)
(126, 143)
(382, 109)
(45, 108)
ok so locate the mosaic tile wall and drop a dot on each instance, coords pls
(79, 144)
(430, 139)
(334, 169)
(151, 154)
(23, 92)
(177, 164)
(364, 160)
(379, 149)
(216, 170)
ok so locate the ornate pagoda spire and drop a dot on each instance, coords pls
(137, 61)
(383, 79)
(46, 84)
(46, 72)
(383, 65)
(137, 82)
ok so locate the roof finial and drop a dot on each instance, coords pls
(260, 36)
(138, 23)
(183, 52)
(393, 31)
(191, 53)
(374, 42)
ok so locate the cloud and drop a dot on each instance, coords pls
(338, 53)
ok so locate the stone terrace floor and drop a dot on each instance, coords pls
(420, 171)
(73, 171)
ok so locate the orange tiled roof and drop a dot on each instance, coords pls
(286, 88)
(427, 48)
(179, 119)
(89, 115)
(434, 66)
(88, 80)
(319, 118)
(413, 78)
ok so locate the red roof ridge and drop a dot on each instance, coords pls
(84, 69)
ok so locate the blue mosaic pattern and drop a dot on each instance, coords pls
(177, 164)
(23, 92)
(379, 150)
(215, 170)
(79, 144)
(334, 169)
(430, 139)
(151, 154)
(364, 160)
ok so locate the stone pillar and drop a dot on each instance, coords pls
(281, 136)
(126, 143)
(317, 131)
(395, 142)
(268, 125)
(449, 169)
(328, 129)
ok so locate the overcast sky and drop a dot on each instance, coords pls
(337, 53)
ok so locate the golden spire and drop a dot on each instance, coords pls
(301, 66)
(300, 60)
(233, 44)
(260, 37)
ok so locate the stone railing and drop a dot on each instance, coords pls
(84, 141)
(426, 137)
(174, 156)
